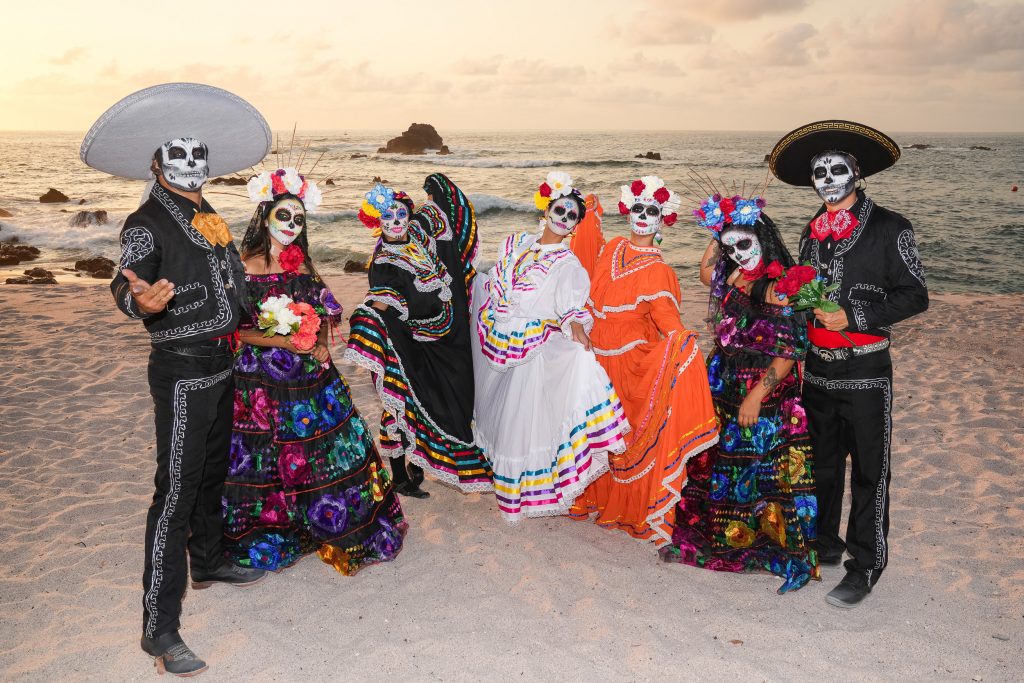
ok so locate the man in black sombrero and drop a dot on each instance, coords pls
(871, 252)
(180, 274)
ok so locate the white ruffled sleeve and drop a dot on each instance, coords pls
(571, 294)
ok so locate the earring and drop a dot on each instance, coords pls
(657, 238)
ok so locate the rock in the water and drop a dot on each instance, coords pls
(444, 150)
(229, 180)
(355, 267)
(9, 260)
(418, 139)
(329, 181)
(357, 155)
(767, 157)
(53, 196)
(919, 145)
(19, 252)
(982, 148)
(654, 156)
(38, 272)
(29, 280)
(96, 266)
(4, 213)
(378, 179)
(84, 218)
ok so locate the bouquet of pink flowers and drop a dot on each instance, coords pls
(281, 315)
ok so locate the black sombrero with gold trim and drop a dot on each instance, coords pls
(790, 160)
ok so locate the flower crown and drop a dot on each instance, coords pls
(376, 202)
(558, 184)
(269, 185)
(717, 212)
(651, 190)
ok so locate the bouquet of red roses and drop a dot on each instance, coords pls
(806, 291)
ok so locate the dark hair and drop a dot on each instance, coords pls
(257, 237)
(772, 249)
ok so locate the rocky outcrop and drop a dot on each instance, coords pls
(229, 180)
(982, 148)
(416, 140)
(918, 145)
(33, 276)
(654, 156)
(53, 196)
(329, 181)
(11, 254)
(355, 267)
(85, 218)
(96, 266)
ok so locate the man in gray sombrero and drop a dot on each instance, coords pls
(871, 253)
(180, 274)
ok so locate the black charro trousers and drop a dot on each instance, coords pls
(192, 398)
(849, 412)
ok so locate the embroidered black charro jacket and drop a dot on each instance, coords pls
(878, 266)
(158, 241)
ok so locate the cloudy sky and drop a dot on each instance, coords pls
(900, 65)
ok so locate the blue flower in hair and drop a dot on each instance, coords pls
(380, 197)
(747, 212)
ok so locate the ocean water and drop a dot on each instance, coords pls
(969, 225)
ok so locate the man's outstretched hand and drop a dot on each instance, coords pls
(150, 298)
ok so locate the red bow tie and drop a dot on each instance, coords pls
(838, 225)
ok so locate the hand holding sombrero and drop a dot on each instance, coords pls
(790, 160)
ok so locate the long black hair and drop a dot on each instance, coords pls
(257, 236)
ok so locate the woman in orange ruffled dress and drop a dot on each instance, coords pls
(653, 362)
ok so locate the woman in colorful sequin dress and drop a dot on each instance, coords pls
(546, 412)
(304, 473)
(749, 503)
(412, 333)
(653, 362)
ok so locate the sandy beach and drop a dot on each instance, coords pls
(470, 598)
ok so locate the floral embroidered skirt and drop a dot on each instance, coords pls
(304, 474)
(749, 502)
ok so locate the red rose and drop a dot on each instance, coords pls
(545, 190)
(637, 187)
(661, 195)
(803, 274)
(787, 286)
(773, 270)
(623, 209)
(368, 220)
(727, 206)
(670, 219)
(291, 258)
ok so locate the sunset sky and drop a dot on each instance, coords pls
(900, 65)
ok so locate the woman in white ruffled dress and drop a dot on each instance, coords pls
(546, 413)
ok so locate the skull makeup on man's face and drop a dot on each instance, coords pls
(562, 216)
(645, 219)
(833, 176)
(183, 163)
(743, 247)
(286, 220)
(394, 221)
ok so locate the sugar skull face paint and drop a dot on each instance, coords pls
(562, 216)
(645, 219)
(743, 247)
(184, 164)
(286, 221)
(833, 175)
(394, 221)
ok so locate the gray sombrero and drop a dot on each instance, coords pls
(123, 139)
(790, 160)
